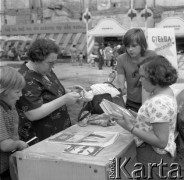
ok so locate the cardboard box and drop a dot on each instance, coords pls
(46, 161)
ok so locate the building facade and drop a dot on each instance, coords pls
(40, 18)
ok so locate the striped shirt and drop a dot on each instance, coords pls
(8, 130)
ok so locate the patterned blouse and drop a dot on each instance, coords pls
(37, 92)
(8, 130)
(158, 109)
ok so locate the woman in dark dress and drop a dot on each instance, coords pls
(42, 107)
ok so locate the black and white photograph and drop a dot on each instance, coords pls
(91, 89)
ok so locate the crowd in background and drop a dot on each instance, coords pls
(105, 54)
(13, 53)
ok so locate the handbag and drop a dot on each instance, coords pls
(94, 106)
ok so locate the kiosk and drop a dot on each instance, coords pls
(47, 161)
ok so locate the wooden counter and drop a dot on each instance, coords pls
(46, 161)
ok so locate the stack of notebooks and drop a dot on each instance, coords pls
(109, 108)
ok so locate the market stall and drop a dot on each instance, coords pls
(53, 159)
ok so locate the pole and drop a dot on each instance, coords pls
(131, 5)
(41, 7)
(87, 44)
(146, 8)
(5, 9)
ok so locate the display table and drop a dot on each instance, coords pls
(46, 161)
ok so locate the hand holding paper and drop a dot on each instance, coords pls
(110, 108)
(133, 113)
(123, 117)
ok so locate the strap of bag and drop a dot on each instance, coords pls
(94, 104)
(81, 118)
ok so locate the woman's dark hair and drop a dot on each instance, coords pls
(160, 71)
(41, 48)
(135, 35)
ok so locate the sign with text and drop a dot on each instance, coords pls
(162, 40)
(20, 29)
(173, 22)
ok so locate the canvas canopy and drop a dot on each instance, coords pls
(107, 27)
(173, 22)
(18, 38)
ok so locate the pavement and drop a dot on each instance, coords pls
(70, 75)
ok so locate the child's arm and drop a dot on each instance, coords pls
(9, 145)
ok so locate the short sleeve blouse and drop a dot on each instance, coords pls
(158, 109)
(8, 130)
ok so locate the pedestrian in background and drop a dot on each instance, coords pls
(108, 51)
(80, 58)
(12, 53)
(101, 57)
(128, 65)
(97, 54)
(73, 52)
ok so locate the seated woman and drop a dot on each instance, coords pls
(42, 107)
(154, 124)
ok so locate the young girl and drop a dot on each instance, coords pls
(128, 65)
(11, 84)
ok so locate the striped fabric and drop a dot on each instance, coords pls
(65, 40)
(8, 130)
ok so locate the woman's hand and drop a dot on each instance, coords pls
(133, 113)
(77, 88)
(123, 120)
(72, 97)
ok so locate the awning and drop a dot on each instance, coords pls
(108, 27)
(18, 38)
(173, 22)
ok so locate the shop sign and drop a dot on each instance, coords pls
(173, 22)
(20, 29)
(163, 41)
